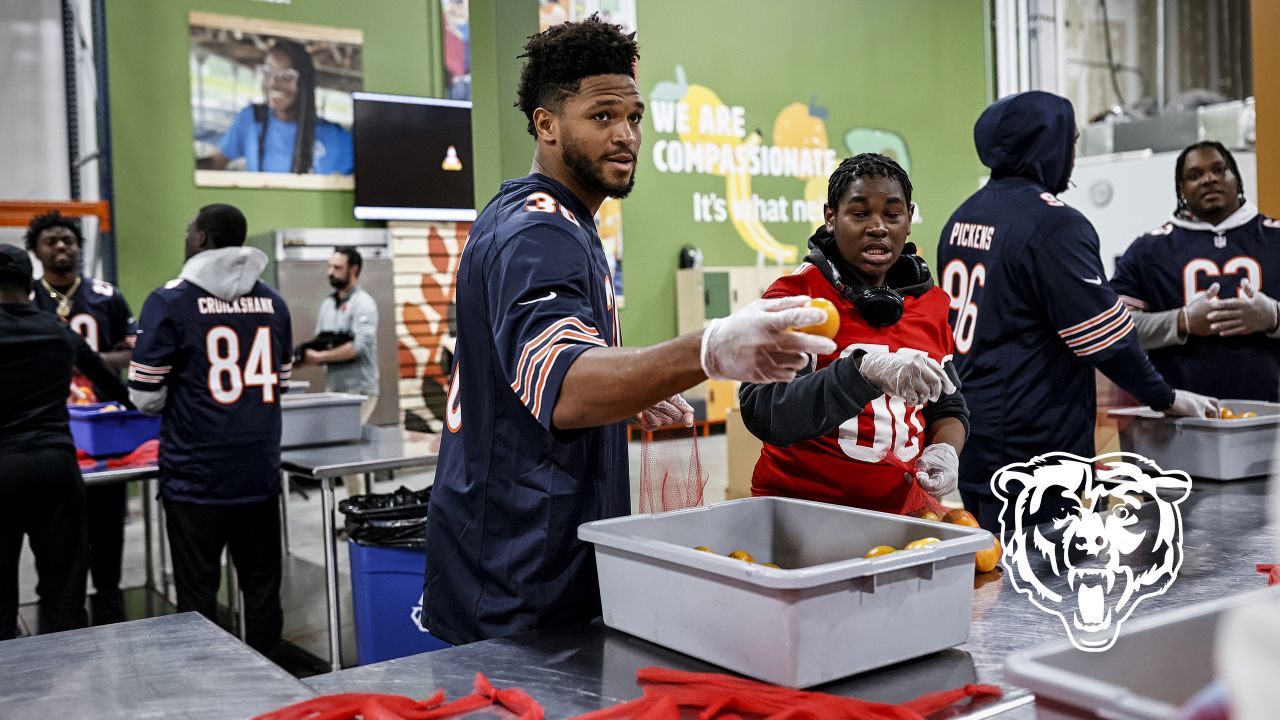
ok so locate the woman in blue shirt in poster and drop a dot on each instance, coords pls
(284, 135)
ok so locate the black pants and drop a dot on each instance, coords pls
(251, 533)
(106, 507)
(42, 497)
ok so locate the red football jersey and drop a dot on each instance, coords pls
(850, 465)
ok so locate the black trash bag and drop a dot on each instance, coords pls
(397, 520)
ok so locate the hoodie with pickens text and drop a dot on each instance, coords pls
(1031, 309)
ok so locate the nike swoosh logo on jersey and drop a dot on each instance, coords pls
(1095, 280)
(549, 296)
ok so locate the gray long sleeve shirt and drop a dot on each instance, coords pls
(358, 315)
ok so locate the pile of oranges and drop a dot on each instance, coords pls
(983, 560)
(742, 555)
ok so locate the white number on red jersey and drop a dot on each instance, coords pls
(961, 286)
(226, 380)
(895, 426)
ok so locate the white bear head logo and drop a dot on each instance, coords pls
(1118, 540)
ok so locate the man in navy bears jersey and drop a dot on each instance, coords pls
(536, 443)
(97, 311)
(1195, 284)
(214, 351)
(1030, 309)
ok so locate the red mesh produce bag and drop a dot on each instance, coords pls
(671, 472)
(380, 706)
(712, 695)
(918, 499)
(1272, 572)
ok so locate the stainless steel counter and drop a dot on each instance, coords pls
(575, 671)
(174, 666)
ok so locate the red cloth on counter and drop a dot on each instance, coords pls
(724, 696)
(380, 706)
(1272, 571)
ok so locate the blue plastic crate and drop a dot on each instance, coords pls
(100, 433)
(386, 589)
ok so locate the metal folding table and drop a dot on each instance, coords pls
(380, 448)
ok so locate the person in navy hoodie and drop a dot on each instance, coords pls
(1032, 312)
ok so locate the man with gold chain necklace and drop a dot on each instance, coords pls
(96, 310)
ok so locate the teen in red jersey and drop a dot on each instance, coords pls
(855, 426)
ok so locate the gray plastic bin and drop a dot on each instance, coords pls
(833, 614)
(319, 418)
(1204, 448)
(1135, 679)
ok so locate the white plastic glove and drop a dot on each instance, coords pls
(938, 469)
(756, 343)
(1197, 311)
(914, 378)
(1255, 312)
(1189, 404)
(671, 411)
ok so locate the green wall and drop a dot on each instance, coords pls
(503, 147)
(147, 42)
(916, 68)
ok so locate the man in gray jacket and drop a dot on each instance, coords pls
(352, 367)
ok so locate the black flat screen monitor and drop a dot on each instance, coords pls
(413, 158)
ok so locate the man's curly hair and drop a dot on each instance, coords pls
(557, 59)
(52, 219)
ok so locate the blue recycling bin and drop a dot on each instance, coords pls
(386, 590)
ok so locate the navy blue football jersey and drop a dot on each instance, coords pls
(99, 313)
(1169, 266)
(224, 365)
(1031, 310)
(533, 293)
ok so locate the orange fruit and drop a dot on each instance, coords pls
(1226, 413)
(1248, 414)
(742, 555)
(960, 516)
(922, 542)
(879, 550)
(925, 515)
(702, 548)
(987, 560)
(771, 565)
(828, 327)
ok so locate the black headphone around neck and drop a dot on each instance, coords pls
(879, 306)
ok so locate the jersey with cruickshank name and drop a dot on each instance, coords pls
(533, 293)
(218, 365)
(1169, 266)
(1031, 310)
(830, 435)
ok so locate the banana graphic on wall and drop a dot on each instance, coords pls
(805, 126)
(797, 125)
